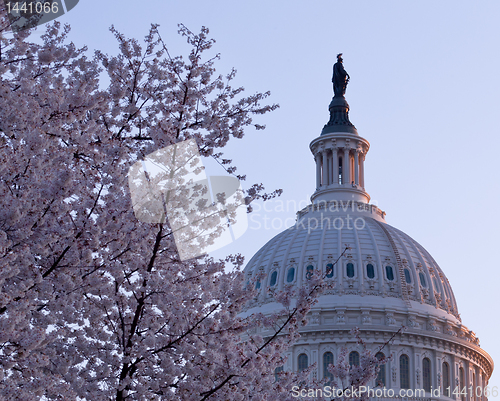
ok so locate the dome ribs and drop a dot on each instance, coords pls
(404, 289)
(360, 262)
(378, 256)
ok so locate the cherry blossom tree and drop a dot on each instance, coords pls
(95, 304)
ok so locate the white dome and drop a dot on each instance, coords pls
(382, 262)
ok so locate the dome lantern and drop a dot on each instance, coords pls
(339, 151)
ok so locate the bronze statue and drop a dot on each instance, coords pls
(340, 77)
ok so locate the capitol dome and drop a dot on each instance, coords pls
(381, 267)
(377, 279)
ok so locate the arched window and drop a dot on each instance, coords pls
(426, 374)
(354, 358)
(370, 271)
(461, 379)
(404, 371)
(389, 272)
(257, 285)
(329, 270)
(422, 279)
(350, 270)
(274, 278)
(381, 373)
(277, 372)
(446, 377)
(290, 275)
(302, 362)
(407, 276)
(309, 272)
(327, 361)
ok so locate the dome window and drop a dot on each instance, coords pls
(407, 276)
(381, 373)
(389, 272)
(370, 271)
(249, 279)
(302, 362)
(422, 279)
(274, 278)
(426, 374)
(327, 361)
(329, 270)
(354, 358)
(350, 270)
(404, 371)
(309, 272)
(290, 275)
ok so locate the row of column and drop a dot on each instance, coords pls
(465, 382)
(330, 171)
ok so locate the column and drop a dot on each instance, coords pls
(346, 174)
(315, 358)
(325, 169)
(362, 170)
(335, 160)
(318, 170)
(453, 374)
(467, 378)
(356, 166)
(289, 362)
(330, 168)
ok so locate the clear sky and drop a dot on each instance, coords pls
(424, 92)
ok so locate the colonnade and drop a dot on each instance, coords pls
(466, 380)
(340, 166)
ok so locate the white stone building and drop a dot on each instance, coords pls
(384, 281)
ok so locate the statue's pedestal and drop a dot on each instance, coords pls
(339, 117)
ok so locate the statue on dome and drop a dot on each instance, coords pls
(340, 77)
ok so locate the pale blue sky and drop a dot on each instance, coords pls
(424, 92)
